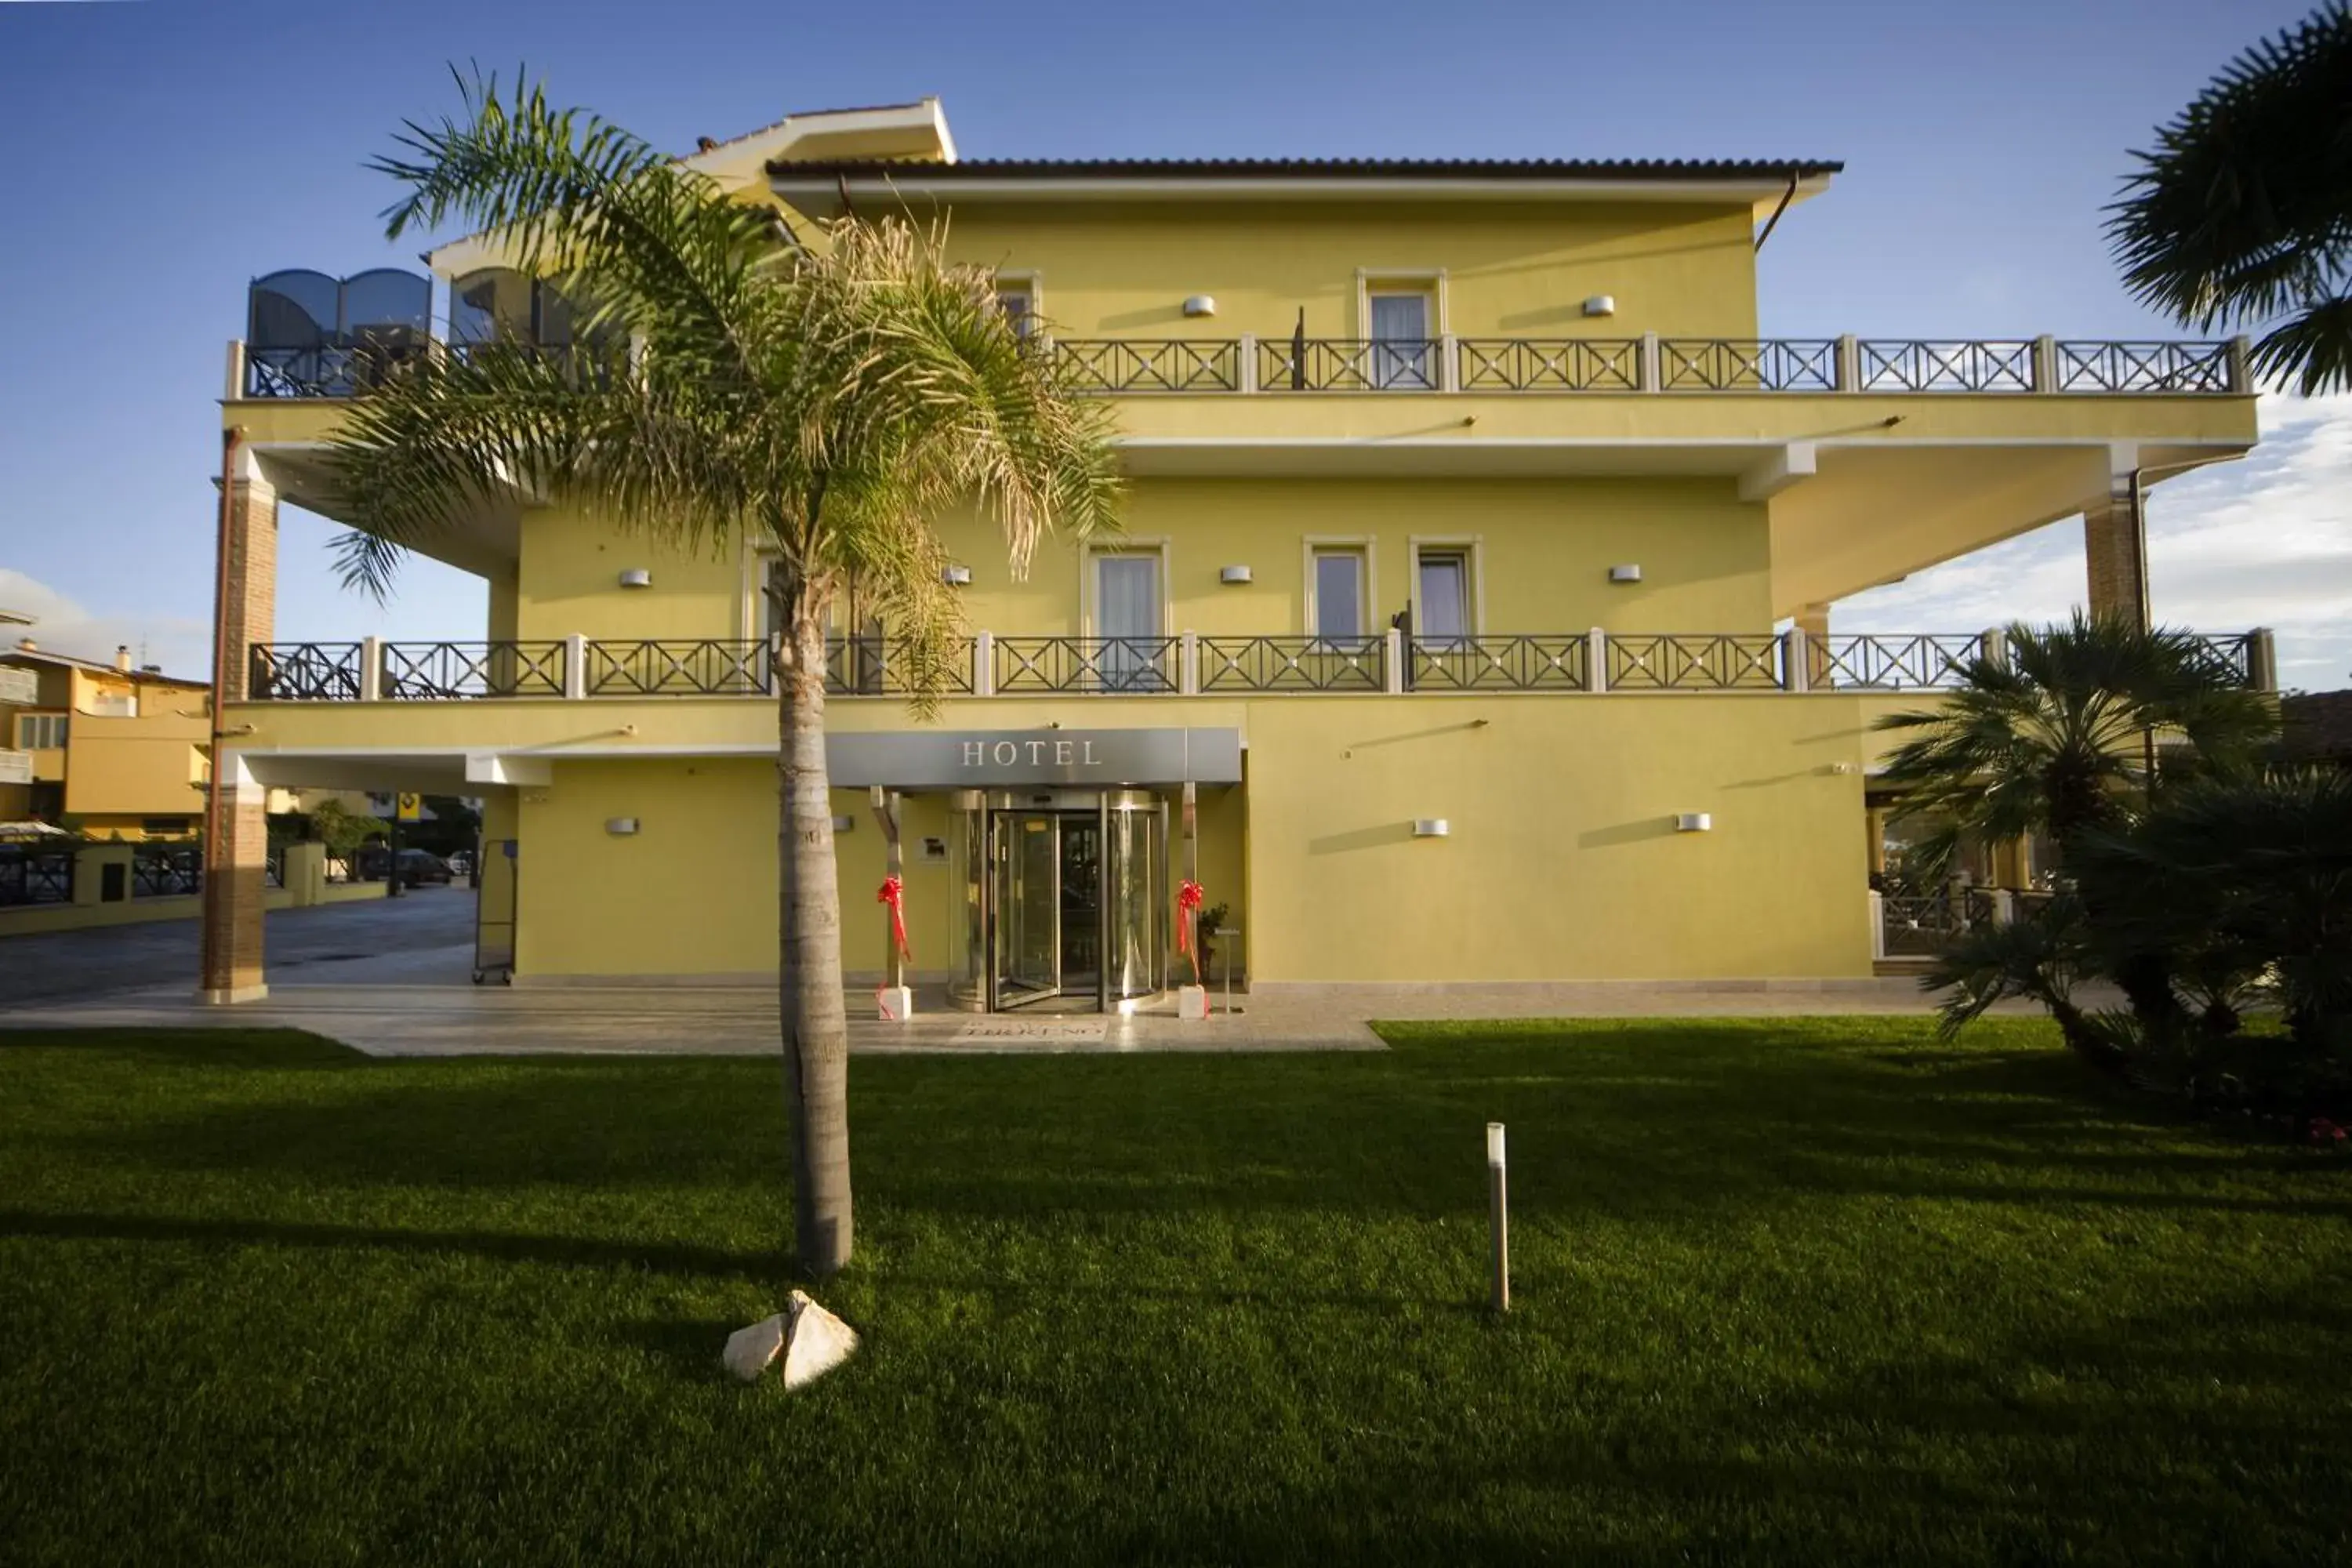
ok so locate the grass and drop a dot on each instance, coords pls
(1801, 1291)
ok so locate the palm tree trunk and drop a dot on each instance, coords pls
(815, 1027)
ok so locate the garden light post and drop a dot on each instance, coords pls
(1498, 1214)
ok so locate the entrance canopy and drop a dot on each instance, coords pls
(976, 758)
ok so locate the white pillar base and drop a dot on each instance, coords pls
(897, 1002)
(1192, 1004)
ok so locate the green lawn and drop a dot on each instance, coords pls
(1806, 1291)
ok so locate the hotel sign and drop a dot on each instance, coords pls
(977, 759)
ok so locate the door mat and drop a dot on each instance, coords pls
(1036, 1030)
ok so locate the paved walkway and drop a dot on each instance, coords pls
(419, 1003)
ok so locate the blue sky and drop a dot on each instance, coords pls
(162, 153)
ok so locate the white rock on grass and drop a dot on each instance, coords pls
(812, 1341)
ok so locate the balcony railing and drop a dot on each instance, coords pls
(1251, 364)
(1182, 665)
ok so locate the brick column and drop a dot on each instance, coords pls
(237, 853)
(2111, 551)
(250, 607)
(237, 834)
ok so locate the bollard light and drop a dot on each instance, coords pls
(1498, 1216)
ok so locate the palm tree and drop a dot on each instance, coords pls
(825, 395)
(2055, 739)
(2244, 212)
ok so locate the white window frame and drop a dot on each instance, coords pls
(1030, 281)
(1362, 544)
(1155, 547)
(1430, 280)
(63, 722)
(1470, 547)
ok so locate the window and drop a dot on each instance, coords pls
(1017, 297)
(40, 731)
(1129, 621)
(163, 827)
(1442, 607)
(1403, 353)
(1338, 587)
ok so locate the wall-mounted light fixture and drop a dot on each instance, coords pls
(620, 826)
(1431, 827)
(1601, 305)
(1628, 572)
(1695, 822)
(845, 823)
(957, 576)
(1201, 305)
(1233, 576)
(636, 577)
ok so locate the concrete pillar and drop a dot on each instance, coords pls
(303, 874)
(2113, 538)
(91, 882)
(1875, 818)
(2009, 864)
(237, 886)
(1813, 620)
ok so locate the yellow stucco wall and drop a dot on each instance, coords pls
(1124, 271)
(1543, 548)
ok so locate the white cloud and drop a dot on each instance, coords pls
(2266, 541)
(181, 644)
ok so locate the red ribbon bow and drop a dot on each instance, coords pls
(894, 893)
(1188, 899)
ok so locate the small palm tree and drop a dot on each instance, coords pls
(2059, 739)
(825, 395)
(2242, 213)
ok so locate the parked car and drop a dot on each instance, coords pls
(417, 866)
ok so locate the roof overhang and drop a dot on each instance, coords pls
(821, 193)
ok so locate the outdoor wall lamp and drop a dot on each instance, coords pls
(1601, 305)
(1232, 576)
(1431, 827)
(1201, 305)
(957, 576)
(845, 823)
(1695, 822)
(621, 827)
(1628, 572)
(636, 577)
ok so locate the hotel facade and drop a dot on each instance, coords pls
(1473, 619)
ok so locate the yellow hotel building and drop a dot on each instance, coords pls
(1476, 591)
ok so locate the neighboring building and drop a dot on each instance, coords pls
(2315, 727)
(112, 751)
(1475, 595)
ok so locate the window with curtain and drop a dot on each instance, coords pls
(1019, 303)
(1403, 355)
(1442, 598)
(1128, 620)
(1340, 609)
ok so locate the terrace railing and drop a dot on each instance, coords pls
(1186, 663)
(1248, 364)
(1121, 666)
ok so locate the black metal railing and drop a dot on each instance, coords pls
(31, 876)
(1926, 660)
(1748, 364)
(1532, 365)
(459, 671)
(1292, 664)
(1673, 661)
(303, 672)
(1148, 364)
(2147, 368)
(1948, 366)
(162, 871)
(1519, 663)
(1350, 364)
(1121, 664)
(877, 666)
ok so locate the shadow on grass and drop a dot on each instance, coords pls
(585, 1252)
(1628, 1119)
